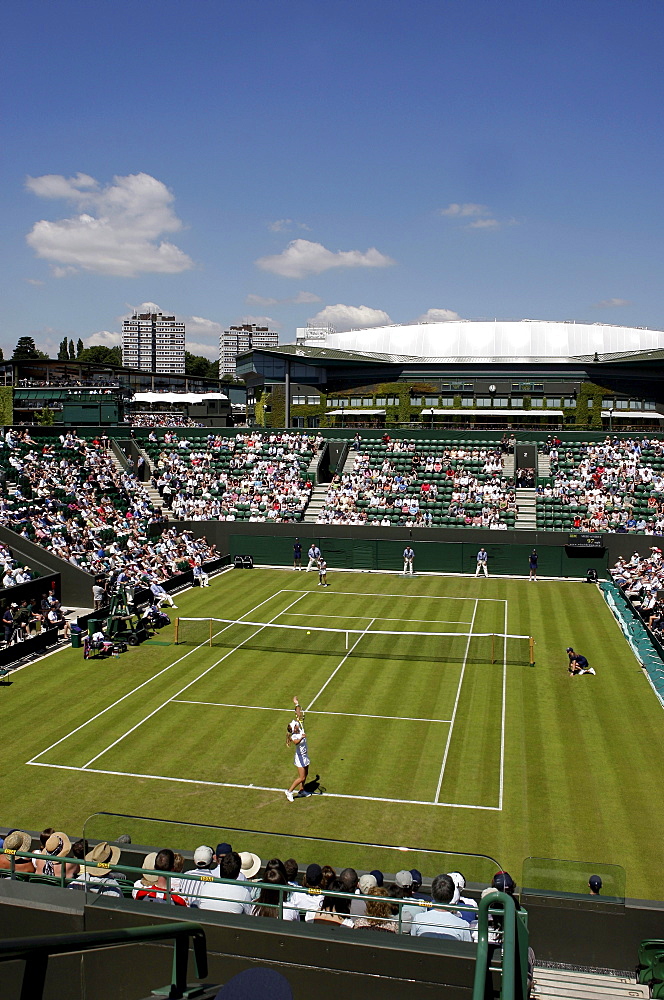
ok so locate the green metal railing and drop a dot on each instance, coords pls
(514, 972)
(36, 951)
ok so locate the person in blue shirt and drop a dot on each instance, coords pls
(578, 664)
(297, 554)
(532, 562)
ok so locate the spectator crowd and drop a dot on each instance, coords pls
(321, 895)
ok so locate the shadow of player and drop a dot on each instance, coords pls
(314, 787)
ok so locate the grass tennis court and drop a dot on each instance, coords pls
(452, 742)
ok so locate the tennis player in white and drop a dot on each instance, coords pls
(296, 736)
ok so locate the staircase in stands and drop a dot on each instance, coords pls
(566, 984)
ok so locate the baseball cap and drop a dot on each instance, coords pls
(313, 874)
(223, 849)
(367, 882)
(403, 879)
(203, 855)
(504, 882)
(417, 876)
(595, 882)
(569, 649)
(378, 875)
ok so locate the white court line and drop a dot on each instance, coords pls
(363, 618)
(138, 688)
(200, 676)
(261, 788)
(401, 597)
(456, 705)
(346, 715)
(502, 717)
(337, 669)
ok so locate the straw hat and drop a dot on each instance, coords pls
(149, 862)
(101, 858)
(58, 845)
(18, 841)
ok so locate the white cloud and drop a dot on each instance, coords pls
(297, 300)
(209, 351)
(259, 321)
(469, 209)
(612, 303)
(484, 224)
(103, 338)
(284, 225)
(260, 300)
(343, 317)
(302, 257)
(34, 281)
(117, 229)
(438, 316)
(203, 327)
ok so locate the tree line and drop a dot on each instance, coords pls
(26, 350)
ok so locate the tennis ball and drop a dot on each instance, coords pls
(308, 633)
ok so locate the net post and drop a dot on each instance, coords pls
(177, 630)
(346, 640)
(493, 647)
(210, 631)
(531, 644)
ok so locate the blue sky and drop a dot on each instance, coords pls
(364, 161)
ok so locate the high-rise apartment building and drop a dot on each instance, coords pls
(153, 342)
(237, 339)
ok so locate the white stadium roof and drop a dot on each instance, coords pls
(493, 339)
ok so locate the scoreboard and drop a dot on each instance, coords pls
(584, 540)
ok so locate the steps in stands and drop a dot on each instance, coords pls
(526, 518)
(316, 503)
(508, 465)
(350, 458)
(155, 499)
(312, 467)
(543, 466)
(566, 984)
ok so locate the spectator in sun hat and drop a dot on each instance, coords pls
(595, 884)
(96, 875)
(249, 865)
(17, 840)
(58, 845)
(154, 886)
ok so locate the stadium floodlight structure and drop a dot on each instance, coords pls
(316, 640)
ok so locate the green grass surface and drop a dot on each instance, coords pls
(418, 741)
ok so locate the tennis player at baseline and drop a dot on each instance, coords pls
(296, 736)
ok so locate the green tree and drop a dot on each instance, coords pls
(100, 355)
(26, 350)
(45, 416)
(63, 350)
(200, 367)
(79, 348)
(72, 352)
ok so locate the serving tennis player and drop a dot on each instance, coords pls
(296, 736)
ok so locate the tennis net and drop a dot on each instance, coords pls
(315, 640)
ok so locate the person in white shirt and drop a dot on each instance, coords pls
(314, 554)
(437, 921)
(408, 556)
(233, 897)
(322, 573)
(296, 736)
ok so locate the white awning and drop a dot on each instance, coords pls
(633, 414)
(489, 411)
(356, 413)
(176, 397)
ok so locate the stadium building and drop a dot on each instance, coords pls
(528, 374)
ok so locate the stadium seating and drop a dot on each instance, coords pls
(605, 486)
(249, 477)
(452, 484)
